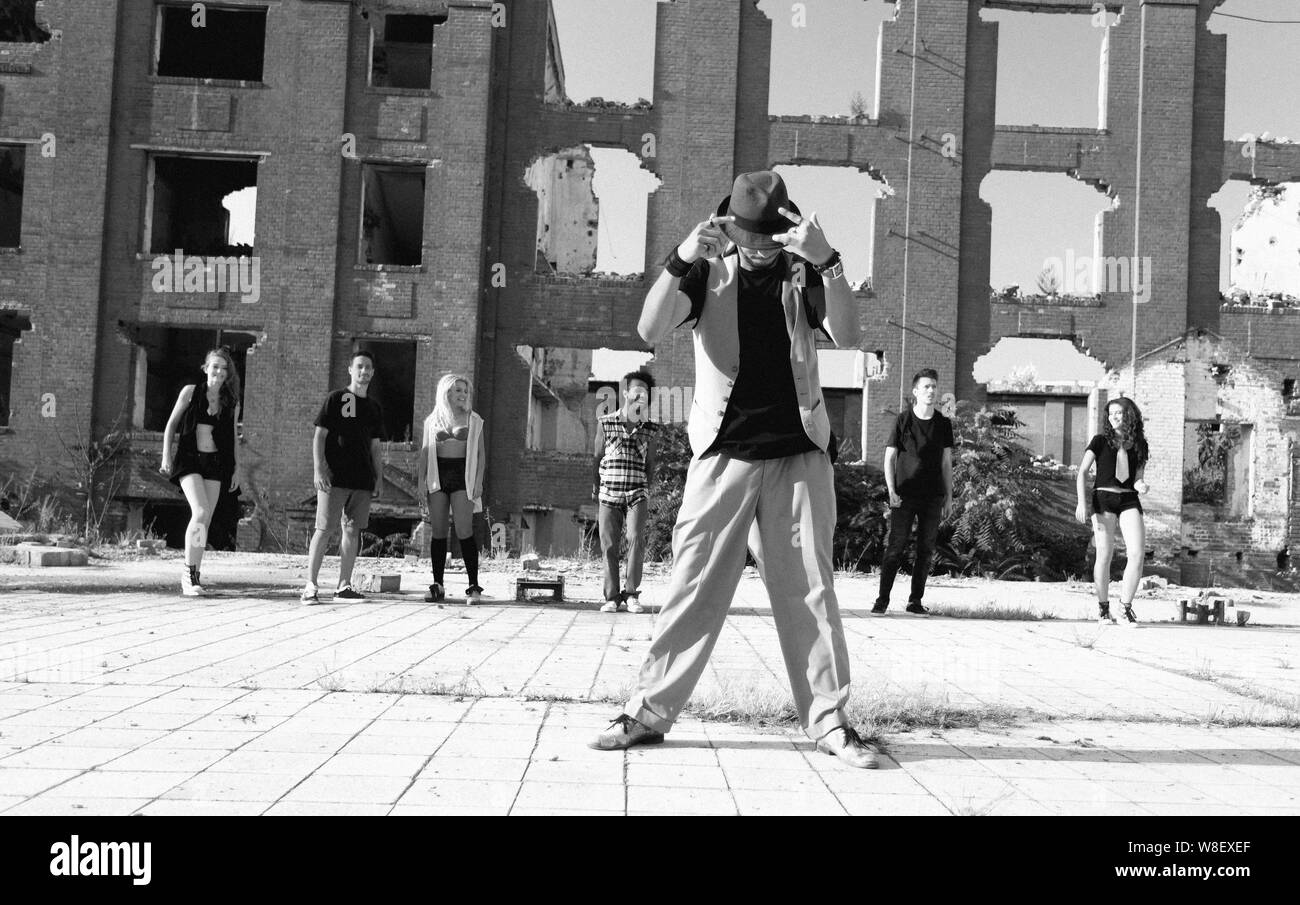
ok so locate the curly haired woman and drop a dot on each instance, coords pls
(1120, 452)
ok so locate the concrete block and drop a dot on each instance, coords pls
(42, 556)
(381, 583)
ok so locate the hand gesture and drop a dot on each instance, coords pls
(805, 238)
(707, 240)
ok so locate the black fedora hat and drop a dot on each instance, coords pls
(755, 202)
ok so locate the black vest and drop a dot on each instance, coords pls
(223, 433)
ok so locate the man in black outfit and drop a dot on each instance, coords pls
(918, 473)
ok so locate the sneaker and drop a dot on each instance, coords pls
(880, 608)
(347, 592)
(1103, 613)
(845, 743)
(473, 594)
(310, 593)
(915, 609)
(634, 602)
(435, 593)
(611, 606)
(190, 586)
(1130, 618)
(625, 732)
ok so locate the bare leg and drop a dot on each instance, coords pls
(1135, 535)
(202, 505)
(316, 553)
(1103, 526)
(348, 548)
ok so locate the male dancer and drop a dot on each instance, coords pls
(918, 473)
(625, 463)
(759, 433)
(347, 460)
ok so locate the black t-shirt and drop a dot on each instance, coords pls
(352, 421)
(761, 420)
(1106, 455)
(920, 443)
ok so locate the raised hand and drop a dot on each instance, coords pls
(706, 240)
(805, 238)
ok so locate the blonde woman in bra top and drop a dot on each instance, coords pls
(450, 470)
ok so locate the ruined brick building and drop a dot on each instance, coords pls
(403, 152)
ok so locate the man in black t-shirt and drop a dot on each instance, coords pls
(759, 433)
(347, 460)
(918, 473)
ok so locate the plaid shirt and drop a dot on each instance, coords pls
(623, 466)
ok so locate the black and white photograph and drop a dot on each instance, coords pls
(455, 408)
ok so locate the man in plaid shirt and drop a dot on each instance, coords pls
(625, 460)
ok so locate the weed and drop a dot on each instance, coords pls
(970, 809)
(988, 610)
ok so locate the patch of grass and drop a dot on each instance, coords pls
(989, 610)
(330, 682)
(1086, 641)
(874, 714)
(970, 809)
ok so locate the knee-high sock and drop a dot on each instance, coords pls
(469, 553)
(438, 553)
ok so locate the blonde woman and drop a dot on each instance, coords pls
(199, 453)
(450, 467)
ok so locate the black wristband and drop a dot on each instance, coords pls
(676, 266)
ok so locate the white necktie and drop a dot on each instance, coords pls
(1121, 465)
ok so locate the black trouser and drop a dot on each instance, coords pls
(926, 512)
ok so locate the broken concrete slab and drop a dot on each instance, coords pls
(42, 556)
(382, 584)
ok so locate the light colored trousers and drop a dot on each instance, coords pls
(793, 501)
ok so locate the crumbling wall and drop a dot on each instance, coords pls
(568, 213)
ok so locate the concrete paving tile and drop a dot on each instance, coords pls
(326, 809)
(120, 784)
(570, 796)
(421, 729)
(466, 745)
(179, 807)
(300, 742)
(402, 810)
(562, 812)
(767, 802)
(1162, 793)
(210, 786)
(669, 800)
(53, 756)
(185, 738)
(460, 793)
(1251, 796)
(1065, 790)
(842, 779)
(373, 765)
(287, 763)
(31, 781)
(507, 769)
(341, 788)
(370, 743)
(887, 805)
(93, 737)
(609, 770)
(164, 760)
(45, 805)
(676, 775)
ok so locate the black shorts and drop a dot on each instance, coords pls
(1115, 501)
(451, 475)
(206, 465)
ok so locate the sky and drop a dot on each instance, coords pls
(608, 51)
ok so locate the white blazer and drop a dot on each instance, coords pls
(474, 456)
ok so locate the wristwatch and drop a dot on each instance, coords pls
(832, 268)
